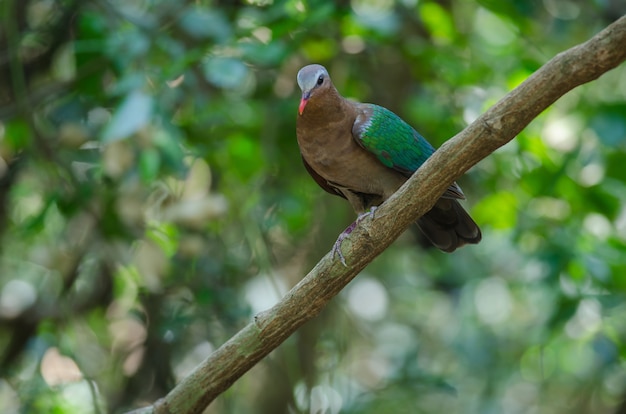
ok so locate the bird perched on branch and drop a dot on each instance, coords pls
(364, 153)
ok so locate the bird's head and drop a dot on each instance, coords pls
(313, 80)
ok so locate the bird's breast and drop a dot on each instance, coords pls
(341, 161)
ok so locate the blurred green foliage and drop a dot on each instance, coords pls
(152, 199)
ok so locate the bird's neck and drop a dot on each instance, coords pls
(330, 108)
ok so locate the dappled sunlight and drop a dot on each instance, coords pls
(495, 31)
(192, 359)
(598, 225)
(493, 301)
(264, 291)
(16, 297)
(563, 133)
(57, 369)
(367, 298)
(586, 321)
(591, 174)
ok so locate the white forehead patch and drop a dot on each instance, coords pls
(306, 81)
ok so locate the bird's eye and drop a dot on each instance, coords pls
(320, 80)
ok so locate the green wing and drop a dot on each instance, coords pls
(394, 142)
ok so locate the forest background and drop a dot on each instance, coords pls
(153, 200)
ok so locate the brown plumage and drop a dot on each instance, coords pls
(364, 153)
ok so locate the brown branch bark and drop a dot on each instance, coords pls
(496, 127)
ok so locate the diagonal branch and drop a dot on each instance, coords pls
(493, 129)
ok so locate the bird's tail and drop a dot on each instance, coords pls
(448, 226)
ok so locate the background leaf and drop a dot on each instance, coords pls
(133, 114)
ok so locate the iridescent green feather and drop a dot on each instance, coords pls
(394, 142)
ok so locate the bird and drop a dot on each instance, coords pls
(364, 152)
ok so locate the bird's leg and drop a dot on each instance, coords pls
(337, 246)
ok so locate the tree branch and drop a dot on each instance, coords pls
(493, 129)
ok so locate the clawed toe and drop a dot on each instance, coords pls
(372, 213)
(337, 251)
(340, 239)
(337, 246)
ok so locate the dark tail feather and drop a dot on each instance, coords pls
(448, 226)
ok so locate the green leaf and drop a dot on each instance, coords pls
(438, 21)
(149, 163)
(170, 151)
(128, 45)
(165, 235)
(498, 209)
(246, 154)
(610, 126)
(225, 72)
(132, 115)
(270, 54)
(202, 23)
(17, 134)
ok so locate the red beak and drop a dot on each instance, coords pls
(303, 102)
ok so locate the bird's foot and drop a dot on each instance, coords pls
(337, 246)
(340, 239)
